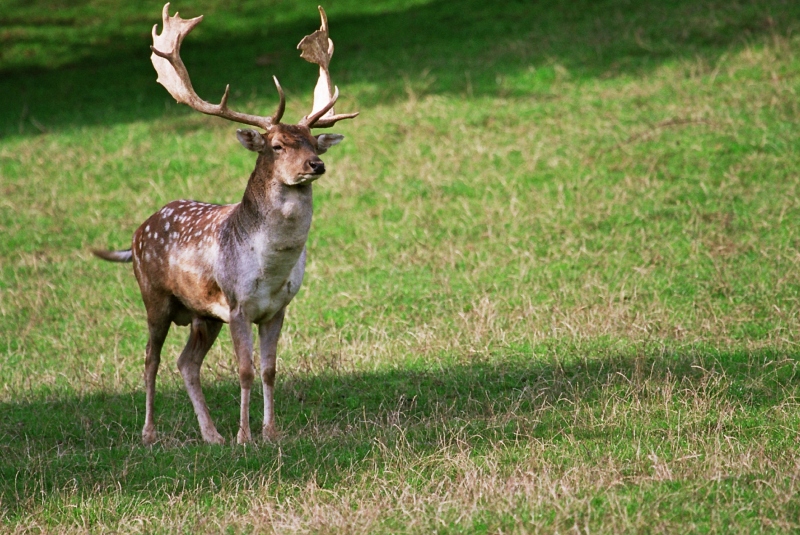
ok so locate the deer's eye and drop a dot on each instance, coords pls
(277, 148)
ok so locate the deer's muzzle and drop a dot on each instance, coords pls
(317, 166)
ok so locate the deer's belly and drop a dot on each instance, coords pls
(190, 278)
(201, 295)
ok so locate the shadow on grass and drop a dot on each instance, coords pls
(472, 48)
(337, 425)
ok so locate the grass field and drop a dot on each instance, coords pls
(553, 285)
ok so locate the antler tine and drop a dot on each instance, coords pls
(327, 122)
(174, 76)
(318, 48)
(312, 120)
(276, 118)
(320, 120)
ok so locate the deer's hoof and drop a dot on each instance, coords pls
(149, 436)
(269, 433)
(213, 438)
(243, 437)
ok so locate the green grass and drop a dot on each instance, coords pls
(553, 281)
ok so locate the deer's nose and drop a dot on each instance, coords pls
(317, 165)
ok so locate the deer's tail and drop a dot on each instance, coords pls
(114, 256)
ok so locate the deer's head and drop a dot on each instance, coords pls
(291, 149)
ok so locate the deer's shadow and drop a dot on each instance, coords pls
(332, 423)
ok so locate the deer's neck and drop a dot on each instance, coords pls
(272, 209)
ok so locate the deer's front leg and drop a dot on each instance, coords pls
(268, 334)
(242, 336)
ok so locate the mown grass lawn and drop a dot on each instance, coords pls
(553, 280)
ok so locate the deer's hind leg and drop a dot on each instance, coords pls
(201, 337)
(158, 323)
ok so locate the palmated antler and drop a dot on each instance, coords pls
(318, 48)
(172, 74)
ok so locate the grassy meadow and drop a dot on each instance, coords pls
(553, 280)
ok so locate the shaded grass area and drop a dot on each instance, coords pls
(645, 409)
(86, 64)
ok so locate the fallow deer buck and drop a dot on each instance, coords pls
(206, 264)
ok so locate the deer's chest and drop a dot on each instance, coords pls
(271, 282)
(270, 269)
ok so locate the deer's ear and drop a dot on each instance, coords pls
(251, 140)
(326, 141)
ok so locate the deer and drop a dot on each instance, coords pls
(204, 265)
